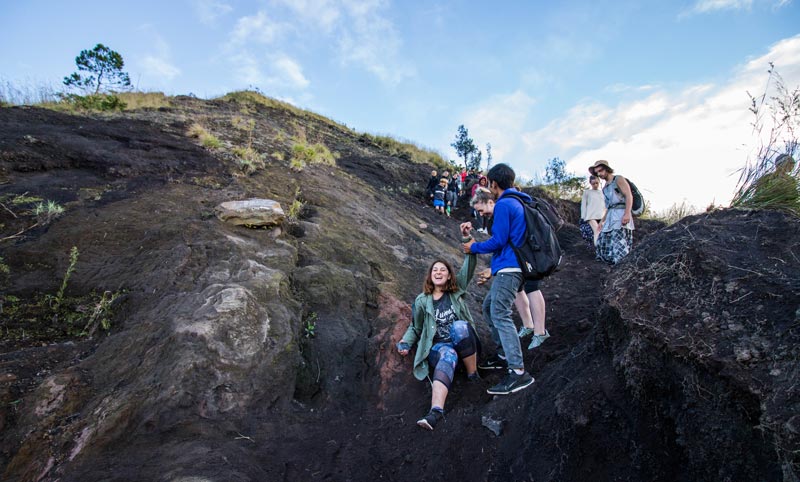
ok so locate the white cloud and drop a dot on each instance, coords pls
(676, 146)
(360, 32)
(159, 67)
(500, 121)
(703, 6)
(708, 6)
(209, 10)
(157, 63)
(289, 73)
(256, 28)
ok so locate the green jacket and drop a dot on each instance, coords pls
(423, 326)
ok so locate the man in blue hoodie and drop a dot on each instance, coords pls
(509, 227)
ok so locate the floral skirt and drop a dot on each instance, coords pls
(614, 245)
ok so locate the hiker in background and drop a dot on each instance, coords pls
(529, 299)
(593, 207)
(439, 194)
(616, 226)
(453, 188)
(432, 182)
(480, 220)
(508, 226)
(442, 328)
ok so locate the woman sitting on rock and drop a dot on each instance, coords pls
(443, 330)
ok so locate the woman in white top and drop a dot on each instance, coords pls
(593, 206)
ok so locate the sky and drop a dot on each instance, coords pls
(658, 89)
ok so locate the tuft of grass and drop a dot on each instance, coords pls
(277, 155)
(207, 139)
(249, 159)
(765, 183)
(25, 199)
(46, 212)
(144, 100)
(296, 208)
(303, 154)
(73, 260)
(675, 213)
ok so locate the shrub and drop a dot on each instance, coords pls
(94, 102)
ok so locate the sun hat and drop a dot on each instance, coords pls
(598, 164)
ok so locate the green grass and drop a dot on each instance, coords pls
(304, 154)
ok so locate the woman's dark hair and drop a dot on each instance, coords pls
(503, 175)
(450, 286)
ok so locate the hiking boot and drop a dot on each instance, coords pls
(430, 420)
(523, 332)
(493, 363)
(474, 377)
(511, 383)
(538, 340)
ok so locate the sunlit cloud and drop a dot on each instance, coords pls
(683, 145)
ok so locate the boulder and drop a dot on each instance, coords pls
(251, 212)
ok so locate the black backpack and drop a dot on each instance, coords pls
(540, 254)
(637, 208)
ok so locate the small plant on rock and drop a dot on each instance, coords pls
(310, 325)
(47, 212)
(73, 260)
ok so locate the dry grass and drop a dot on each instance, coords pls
(144, 100)
(207, 139)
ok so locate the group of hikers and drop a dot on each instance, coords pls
(442, 326)
(445, 190)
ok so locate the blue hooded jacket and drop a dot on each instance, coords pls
(508, 226)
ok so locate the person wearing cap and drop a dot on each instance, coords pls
(616, 227)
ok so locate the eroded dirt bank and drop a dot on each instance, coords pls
(680, 364)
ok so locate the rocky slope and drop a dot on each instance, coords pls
(679, 364)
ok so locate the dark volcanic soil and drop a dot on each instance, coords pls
(679, 364)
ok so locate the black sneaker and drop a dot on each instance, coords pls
(493, 363)
(430, 420)
(511, 383)
(474, 377)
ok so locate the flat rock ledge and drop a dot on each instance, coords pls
(251, 212)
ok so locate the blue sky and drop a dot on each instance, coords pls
(657, 88)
